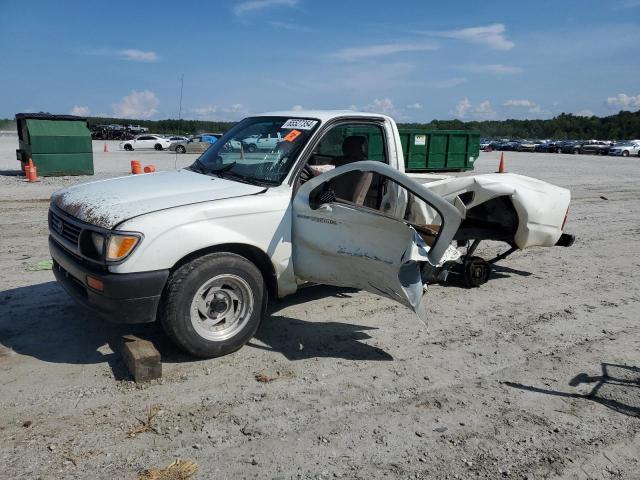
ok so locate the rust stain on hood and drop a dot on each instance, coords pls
(106, 203)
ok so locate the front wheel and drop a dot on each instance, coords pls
(576, 151)
(625, 153)
(180, 149)
(128, 147)
(213, 305)
(158, 147)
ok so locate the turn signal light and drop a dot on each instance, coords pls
(120, 246)
(95, 283)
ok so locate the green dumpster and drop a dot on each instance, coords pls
(57, 144)
(439, 150)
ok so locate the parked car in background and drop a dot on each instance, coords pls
(177, 138)
(527, 146)
(210, 137)
(267, 141)
(191, 145)
(568, 146)
(146, 142)
(626, 149)
(548, 146)
(595, 147)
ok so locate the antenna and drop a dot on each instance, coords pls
(175, 163)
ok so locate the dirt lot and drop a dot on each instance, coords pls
(533, 375)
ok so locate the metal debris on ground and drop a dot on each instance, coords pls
(178, 470)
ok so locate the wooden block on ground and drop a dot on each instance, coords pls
(142, 358)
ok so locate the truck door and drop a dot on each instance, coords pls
(365, 225)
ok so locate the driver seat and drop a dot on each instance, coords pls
(353, 186)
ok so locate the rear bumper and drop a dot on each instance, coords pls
(125, 298)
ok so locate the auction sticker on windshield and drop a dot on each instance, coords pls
(299, 123)
(292, 135)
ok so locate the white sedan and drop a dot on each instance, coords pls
(146, 142)
(626, 149)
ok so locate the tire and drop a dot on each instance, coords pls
(158, 147)
(576, 151)
(252, 147)
(128, 147)
(181, 149)
(558, 150)
(239, 288)
(625, 153)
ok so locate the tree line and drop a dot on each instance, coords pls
(623, 125)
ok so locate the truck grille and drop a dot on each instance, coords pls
(63, 228)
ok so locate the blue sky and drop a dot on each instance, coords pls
(416, 60)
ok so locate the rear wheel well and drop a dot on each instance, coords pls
(258, 257)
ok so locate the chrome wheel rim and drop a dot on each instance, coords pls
(221, 307)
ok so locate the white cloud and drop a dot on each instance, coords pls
(448, 83)
(532, 107)
(624, 101)
(142, 104)
(217, 112)
(492, 36)
(584, 113)
(138, 55)
(415, 106)
(493, 68)
(235, 108)
(205, 110)
(465, 109)
(297, 108)
(294, 27)
(380, 105)
(130, 54)
(256, 5)
(80, 110)
(357, 53)
(518, 103)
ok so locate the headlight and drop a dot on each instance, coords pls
(119, 246)
(98, 242)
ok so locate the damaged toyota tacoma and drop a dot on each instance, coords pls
(202, 249)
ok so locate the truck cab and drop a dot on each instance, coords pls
(202, 249)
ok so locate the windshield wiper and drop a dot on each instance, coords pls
(225, 168)
(241, 178)
(199, 167)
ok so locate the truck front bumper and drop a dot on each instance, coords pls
(124, 298)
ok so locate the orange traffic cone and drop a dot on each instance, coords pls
(106, 148)
(149, 169)
(136, 168)
(32, 172)
(501, 167)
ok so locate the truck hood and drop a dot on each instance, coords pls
(107, 203)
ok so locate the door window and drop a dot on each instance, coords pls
(349, 143)
(374, 192)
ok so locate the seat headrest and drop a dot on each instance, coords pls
(354, 147)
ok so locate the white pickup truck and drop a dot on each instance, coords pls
(202, 249)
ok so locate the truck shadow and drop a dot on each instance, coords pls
(299, 339)
(617, 387)
(42, 322)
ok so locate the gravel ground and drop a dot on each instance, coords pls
(533, 375)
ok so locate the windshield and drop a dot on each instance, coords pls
(258, 149)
